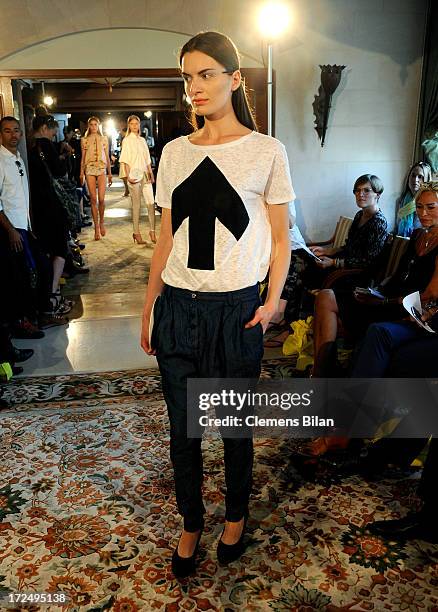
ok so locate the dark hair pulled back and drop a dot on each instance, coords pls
(221, 48)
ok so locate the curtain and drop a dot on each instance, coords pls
(428, 115)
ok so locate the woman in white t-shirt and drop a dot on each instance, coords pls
(224, 191)
(135, 164)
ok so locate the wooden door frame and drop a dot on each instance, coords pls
(255, 76)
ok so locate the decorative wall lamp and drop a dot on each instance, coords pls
(330, 79)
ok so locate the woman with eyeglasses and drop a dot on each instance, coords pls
(94, 161)
(135, 165)
(365, 241)
(367, 233)
(417, 271)
(406, 218)
(224, 191)
(382, 323)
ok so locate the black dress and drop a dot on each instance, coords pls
(414, 273)
(49, 220)
(361, 250)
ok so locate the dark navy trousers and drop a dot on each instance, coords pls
(401, 347)
(202, 335)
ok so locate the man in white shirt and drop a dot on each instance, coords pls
(19, 261)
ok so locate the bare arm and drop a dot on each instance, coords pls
(108, 164)
(82, 171)
(15, 241)
(150, 174)
(327, 251)
(280, 260)
(155, 283)
(127, 169)
(430, 294)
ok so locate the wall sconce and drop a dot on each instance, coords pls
(330, 79)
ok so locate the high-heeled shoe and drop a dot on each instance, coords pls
(184, 566)
(63, 301)
(138, 239)
(58, 305)
(227, 553)
(152, 236)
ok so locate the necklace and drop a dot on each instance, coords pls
(429, 234)
(426, 244)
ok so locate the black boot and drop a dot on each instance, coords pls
(19, 355)
(414, 526)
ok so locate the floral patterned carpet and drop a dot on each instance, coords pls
(87, 508)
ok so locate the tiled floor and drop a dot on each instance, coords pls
(88, 345)
(105, 332)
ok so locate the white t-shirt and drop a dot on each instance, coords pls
(218, 196)
(135, 153)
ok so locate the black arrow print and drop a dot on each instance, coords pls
(203, 197)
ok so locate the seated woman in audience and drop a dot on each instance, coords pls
(406, 219)
(418, 271)
(365, 241)
(366, 236)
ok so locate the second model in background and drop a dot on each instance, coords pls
(135, 164)
(95, 158)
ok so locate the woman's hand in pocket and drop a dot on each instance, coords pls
(145, 340)
(262, 315)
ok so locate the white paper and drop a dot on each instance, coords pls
(306, 248)
(411, 302)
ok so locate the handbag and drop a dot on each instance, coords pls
(68, 204)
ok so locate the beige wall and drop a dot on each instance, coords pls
(372, 123)
(6, 100)
(373, 118)
(112, 48)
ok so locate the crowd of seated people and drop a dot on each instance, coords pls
(417, 271)
(365, 241)
(360, 260)
(40, 217)
(388, 342)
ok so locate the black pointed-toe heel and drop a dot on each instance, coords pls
(227, 553)
(184, 566)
